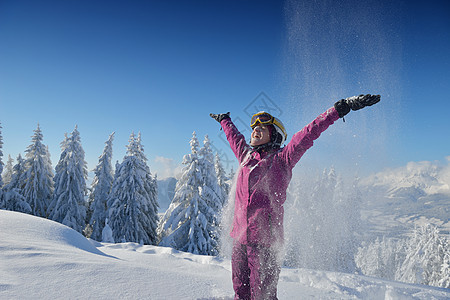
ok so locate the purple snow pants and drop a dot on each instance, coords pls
(255, 272)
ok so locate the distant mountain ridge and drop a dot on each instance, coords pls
(166, 191)
(399, 199)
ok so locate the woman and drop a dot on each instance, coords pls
(263, 177)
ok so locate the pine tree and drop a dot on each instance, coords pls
(132, 202)
(68, 205)
(380, 258)
(8, 171)
(307, 235)
(222, 179)
(300, 232)
(175, 227)
(60, 170)
(346, 223)
(425, 254)
(190, 223)
(444, 281)
(435, 251)
(13, 198)
(367, 258)
(18, 174)
(38, 189)
(316, 238)
(223, 215)
(101, 187)
(422, 258)
(212, 192)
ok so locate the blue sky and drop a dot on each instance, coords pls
(160, 68)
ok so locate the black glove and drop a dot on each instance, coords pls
(220, 117)
(354, 103)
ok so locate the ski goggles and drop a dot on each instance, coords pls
(263, 118)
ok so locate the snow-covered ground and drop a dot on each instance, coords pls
(42, 259)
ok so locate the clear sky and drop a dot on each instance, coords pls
(160, 68)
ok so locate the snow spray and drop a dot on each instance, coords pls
(226, 220)
(334, 50)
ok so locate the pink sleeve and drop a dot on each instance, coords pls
(235, 138)
(304, 139)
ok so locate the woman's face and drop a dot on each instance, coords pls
(260, 135)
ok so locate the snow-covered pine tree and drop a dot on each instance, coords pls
(438, 250)
(190, 223)
(445, 268)
(421, 258)
(12, 197)
(222, 178)
(368, 259)
(38, 189)
(299, 231)
(68, 205)
(60, 170)
(322, 217)
(213, 194)
(346, 224)
(425, 253)
(8, 171)
(434, 251)
(140, 149)
(133, 202)
(101, 187)
(116, 167)
(223, 216)
(307, 218)
(180, 217)
(380, 258)
(215, 197)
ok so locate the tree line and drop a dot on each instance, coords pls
(322, 215)
(121, 205)
(423, 257)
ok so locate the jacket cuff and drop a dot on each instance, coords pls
(342, 108)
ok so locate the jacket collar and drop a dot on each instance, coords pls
(265, 149)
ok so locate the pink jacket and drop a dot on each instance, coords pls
(263, 180)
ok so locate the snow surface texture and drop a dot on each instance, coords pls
(42, 259)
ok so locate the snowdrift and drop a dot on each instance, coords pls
(42, 259)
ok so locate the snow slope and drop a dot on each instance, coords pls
(42, 259)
